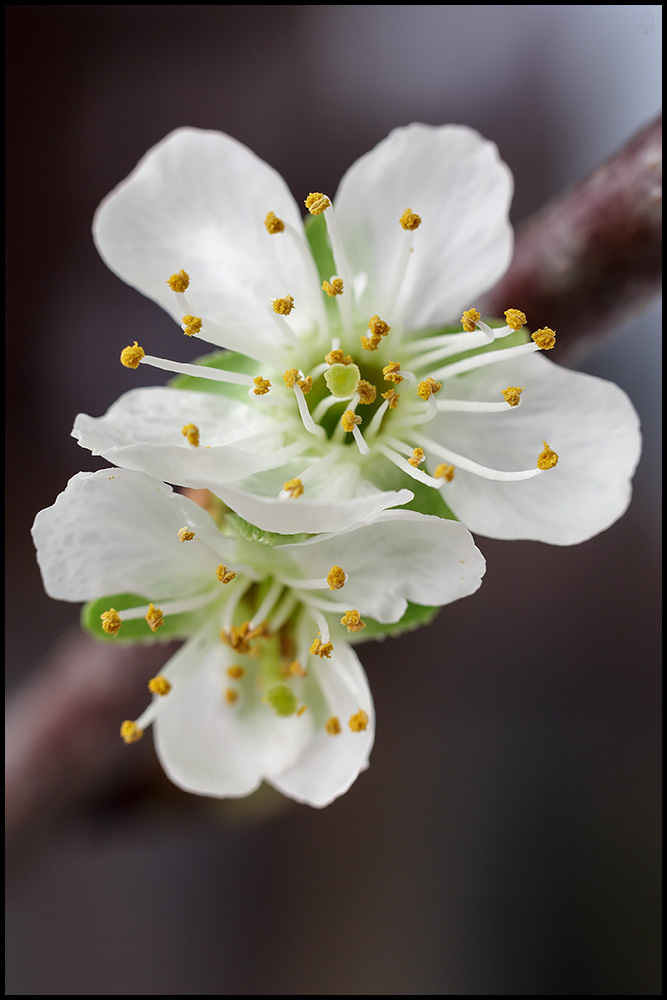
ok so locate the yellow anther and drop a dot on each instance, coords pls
(469, 319)
(337, 357)
(392, 398)
(316, 203)
(349, 420)
(262, 386)
(444, 471)
(179, 282)
(224, 575)
(131, 356)
(111, 622)
(300, 711)
(358, 722)
(306, 384)
(274, 224)
(547, 459)
(159, 685)
(231, 696)
(283, 306)
(378, 327)
(191, 432)
(130, 732)
(392, 372)
(185, 534)
(515, 319)
(428, 388)
(322, 649)
(336, 578)
(154, 618)
(191, 325)
(371, 343)
(545, 338)
(335, 287)
(293, 488)
(418, 457)
(366, 392)
(512, 394)
(353, 621)
(239, 637)
(291, 377)
(332, 725)
(409, 220)
(236, 672)
(296, 670)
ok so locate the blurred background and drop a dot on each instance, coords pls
(505, 838)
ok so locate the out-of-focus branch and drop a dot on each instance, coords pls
(62, 729)
(592, 256)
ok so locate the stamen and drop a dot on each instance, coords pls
(336, 357)
(191, 325)
(154, 617)
(332, 725)
(262, 386)
(334, 287)
(236, 671)
(391, 372)
(269, 602)
(283, 307)
(374, 426)
(366, 392)
(185, 534)
(547, 459)
(405, 465)
(515, 319)
(359, 721)
(371, 343)
(296, 670)
(481, 360)
(322, 649)
(316, 203)
(224, 575)
(191, 432)
(132, 356)
(352, 620)
(283, 610)
(274, 224)
(301, 710)
(444, 471)
(293, 488)
(111, 621)
(512, 394)
(469, 320)
(410, 220)
(130, 732)
(231, 696)
(545, 338)
(304, 413)
(159, 685)
(468, 465)
(306, 384)
(418, 457)
(336, 578)
(428, 388)
(392, 398)
(179, 282)
(349, 421)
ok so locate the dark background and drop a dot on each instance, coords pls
(505, 838)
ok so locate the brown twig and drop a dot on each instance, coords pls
(593, 255)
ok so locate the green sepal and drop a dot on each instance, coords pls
(318, 240)
(251, 533)
(415, 616)
(137, 629)
(229, 361)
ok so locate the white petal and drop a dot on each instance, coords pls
(142, 431)
(399, 557)
(296, 515)
(590, 423)
(117, 532)
(198, 201)
(210, 747)
(329, 765)
(457, 183)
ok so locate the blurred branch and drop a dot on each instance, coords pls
(582, 264)
(593, 255)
